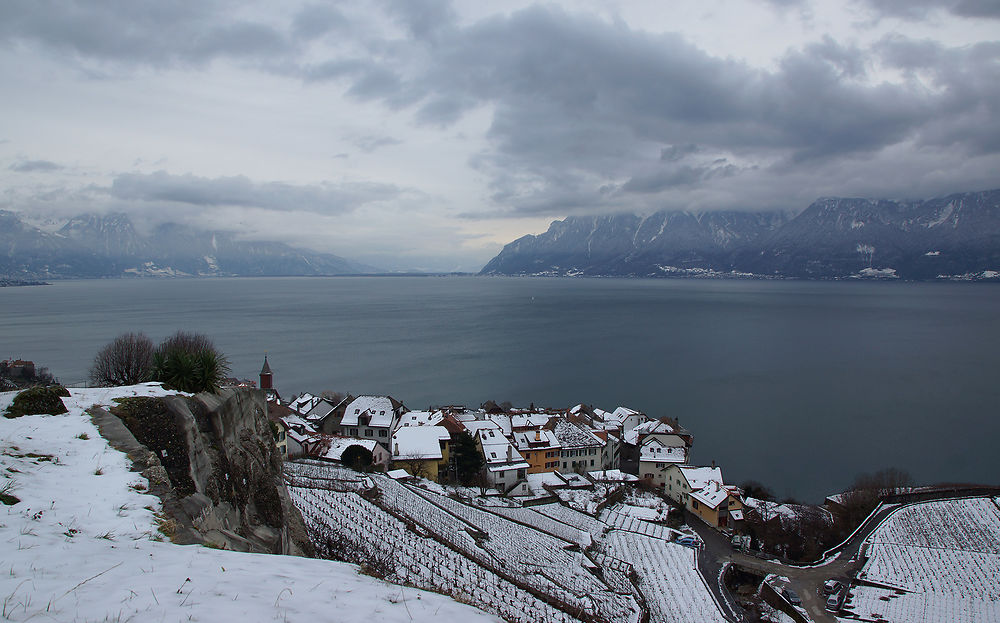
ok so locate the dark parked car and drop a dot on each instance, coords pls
(791, 596)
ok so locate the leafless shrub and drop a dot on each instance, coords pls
(127, 360)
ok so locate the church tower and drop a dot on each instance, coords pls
(266, 376)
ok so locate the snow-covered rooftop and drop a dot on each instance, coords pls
(572, 435)
(651, 427)
(378, 408)
(418, 442)
(654, 450)
(712, 494)
(698, 477)
(421, 418)
(538, 439)
(333, 447)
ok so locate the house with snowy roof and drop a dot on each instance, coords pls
(540, 449)
(655, 457)
(327, 414)
(332, 448)
(372, 417)
(505, 467)
(303, 403)
(649, 440)
(681, 480)
(421, 450)
(625, 419)
(579, 449)
(717, 504)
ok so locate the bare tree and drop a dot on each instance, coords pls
(127, 360)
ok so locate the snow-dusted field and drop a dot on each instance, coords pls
(944, 559)
(83, 545)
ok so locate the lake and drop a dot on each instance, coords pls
(801, 385)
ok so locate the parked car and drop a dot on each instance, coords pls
(836, 600)
(689, 541)
(791, 596)
(832, 586)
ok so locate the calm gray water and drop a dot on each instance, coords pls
(801, 385)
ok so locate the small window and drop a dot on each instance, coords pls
(564, 464)
(493, 454)
(381, 412)
(357, 411)
(383, 433)
(368, 432)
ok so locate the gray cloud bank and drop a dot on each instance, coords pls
(586, 115)
(240, 191)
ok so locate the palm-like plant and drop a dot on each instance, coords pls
(192, 367)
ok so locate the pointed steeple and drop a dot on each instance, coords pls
(265, 375)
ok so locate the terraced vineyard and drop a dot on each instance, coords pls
(939, 562)
(548, 563)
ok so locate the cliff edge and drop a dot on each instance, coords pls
(211, 459)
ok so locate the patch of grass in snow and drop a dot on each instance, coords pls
(5, 493)
(83, 436)
(166, 526)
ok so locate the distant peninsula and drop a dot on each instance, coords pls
(10, 283)
(947, 238)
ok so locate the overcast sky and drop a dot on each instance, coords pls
(426, 134)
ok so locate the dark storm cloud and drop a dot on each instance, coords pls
(149, 31)
(967, 106)
(29, 166)
(422, 18)
(919, 9)
(240, 191)
(317, 20)
(576, 100)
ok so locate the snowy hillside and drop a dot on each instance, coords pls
(84, 544)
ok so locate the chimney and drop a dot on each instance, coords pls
(510, 452)
(396, 452)
(713, 463)
(538, 435)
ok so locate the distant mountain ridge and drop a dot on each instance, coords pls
(107, 245)
(954, 237)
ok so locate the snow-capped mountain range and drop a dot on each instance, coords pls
(955, 237)
(107, 245)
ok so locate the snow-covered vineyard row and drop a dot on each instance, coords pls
(370, 534)
(435, 541)
(942, 557)
(668, 577)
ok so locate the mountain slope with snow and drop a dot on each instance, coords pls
(957, 236)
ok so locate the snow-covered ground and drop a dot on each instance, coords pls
(83, 545)
(943, 560)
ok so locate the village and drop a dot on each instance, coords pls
(522, 452)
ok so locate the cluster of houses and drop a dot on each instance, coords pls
(516, 444)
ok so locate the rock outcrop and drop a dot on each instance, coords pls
(212, 461)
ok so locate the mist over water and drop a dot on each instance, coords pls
(800, 385)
